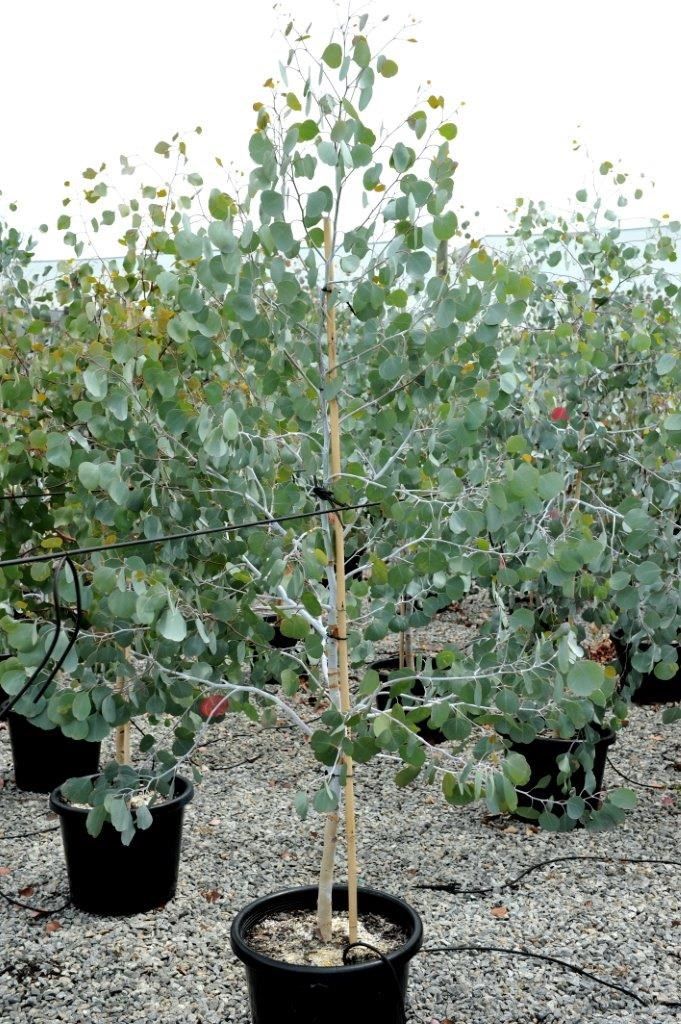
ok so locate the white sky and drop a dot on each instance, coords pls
(84, 82)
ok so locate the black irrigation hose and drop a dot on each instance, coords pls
(543, 957)
(187, 535)
(28, 835)
(453, 887)
(8, 704)
(634, 782)
(237, 764)
(31, 494)
(40, 911)
(551, 960)
(386, 962)
(43, 911)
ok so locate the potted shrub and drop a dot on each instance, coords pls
(115, 830)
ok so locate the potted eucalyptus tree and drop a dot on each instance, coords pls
(270, 365)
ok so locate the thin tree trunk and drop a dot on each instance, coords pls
(338, 665)
(325, 894)
(408, 639)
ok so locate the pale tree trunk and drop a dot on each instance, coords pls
(337, 648)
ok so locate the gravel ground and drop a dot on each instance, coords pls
(242, 840)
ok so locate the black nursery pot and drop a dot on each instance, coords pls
(44, 758)
(383, 699)
(3, 696)
(108, 878)
(541, 755)
(650, 690)
(372, 992)
(281, 642)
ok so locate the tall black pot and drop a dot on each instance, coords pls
(541, 755)
(372, 992)
(107, 878)
(44, 758)
(384, 698)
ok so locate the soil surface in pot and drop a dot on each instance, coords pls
(292, 938)
(150, 800)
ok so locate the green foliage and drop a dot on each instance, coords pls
(515, 422)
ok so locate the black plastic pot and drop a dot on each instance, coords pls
(650, 690)
(281, 642)
(541, 755)
(372, 992)
(384, 698)
(44, 758)
(108, 878)
(3, 696)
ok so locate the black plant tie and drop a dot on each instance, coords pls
(324, 493)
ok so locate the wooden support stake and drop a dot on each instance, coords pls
(341, 631)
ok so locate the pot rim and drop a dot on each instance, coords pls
(15, 717)
(63, 808)
(252, 958)
(607, 736)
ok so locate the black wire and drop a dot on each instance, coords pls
(547, 959)
(28, 835)
(453, 887)
(384, 959)
(237, 764)
(634, 782)
(11, 701)
(141, 541)
(37, 494)
(42, 911)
